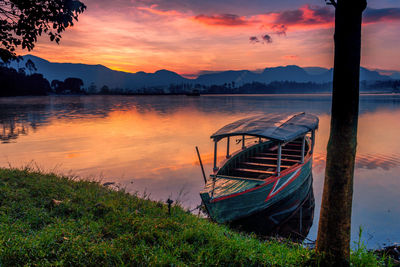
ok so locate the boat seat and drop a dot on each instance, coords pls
(254, 171)
(263, 164)
(269, 158)
(291, 150)
(293, 144)
(275, 154)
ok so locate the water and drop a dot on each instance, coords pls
(146, 144)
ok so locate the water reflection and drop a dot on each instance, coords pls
(147, 144)
(11, 130)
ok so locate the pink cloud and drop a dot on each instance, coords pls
(153, 10)
(230, 20)
(372, 15)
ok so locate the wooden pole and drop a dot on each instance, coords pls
(303, 147)
(201, 165)
(227, 148)
(215, 156)
(278, 167)
(312, 141)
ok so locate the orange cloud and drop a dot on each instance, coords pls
(153, 10)
(306, 17)
(230, 20)
(152, 37)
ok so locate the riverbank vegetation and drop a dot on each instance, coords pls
(52, 220)
(18, 83)
(25, 81)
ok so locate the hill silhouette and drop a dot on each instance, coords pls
(101, 75)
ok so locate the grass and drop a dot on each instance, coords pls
(48, 220)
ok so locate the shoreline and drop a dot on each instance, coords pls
(48, 219)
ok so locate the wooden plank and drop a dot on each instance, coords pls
(283, 155)
(267, 158)
(291, 150)
(236, 178)
(254, 171)
(264, 164)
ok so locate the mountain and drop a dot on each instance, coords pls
(315, 70)
(219, 78)
(287, 73)
(395, 76)
(101, 75)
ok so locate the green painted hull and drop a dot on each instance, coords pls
(254, 196)
(291, 217)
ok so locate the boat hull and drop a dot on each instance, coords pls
(260, 197)
(291, 217)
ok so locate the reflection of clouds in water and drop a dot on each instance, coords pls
(150, 142)
(38, 111)
(363, 161)
(181, 184)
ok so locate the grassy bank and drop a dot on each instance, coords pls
(50, 220)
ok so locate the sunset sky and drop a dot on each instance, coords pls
(190, 36)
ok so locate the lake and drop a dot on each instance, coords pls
(146, 144)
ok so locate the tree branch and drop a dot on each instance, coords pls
(331, 2)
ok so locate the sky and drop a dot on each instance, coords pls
(192, 36)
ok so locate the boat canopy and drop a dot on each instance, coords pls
(280, 127)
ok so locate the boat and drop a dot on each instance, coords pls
(273, 164)
(291, 217)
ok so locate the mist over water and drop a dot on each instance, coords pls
(146, 144)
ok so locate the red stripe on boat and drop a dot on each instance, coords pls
(284, 173)
(285, 184)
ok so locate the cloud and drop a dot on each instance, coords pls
(253, 39)
(306, 15)
(153, 10)
(264, 39)
(277, 22)
(290, 17)
(279, 29)
(309, 17)
(372, 15)
(267, 39)
(222, 20)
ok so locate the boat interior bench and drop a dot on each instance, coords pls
(263, 164)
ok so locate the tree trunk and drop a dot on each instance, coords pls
(335, 219)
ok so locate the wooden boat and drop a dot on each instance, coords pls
(291, 217)
(262, 173)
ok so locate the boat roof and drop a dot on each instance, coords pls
(281, 127)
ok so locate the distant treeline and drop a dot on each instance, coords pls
(390, 85)
(227, 88)
(19, 83)
(278, 87)
(284, 87)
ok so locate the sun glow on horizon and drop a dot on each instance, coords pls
(131, 37)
